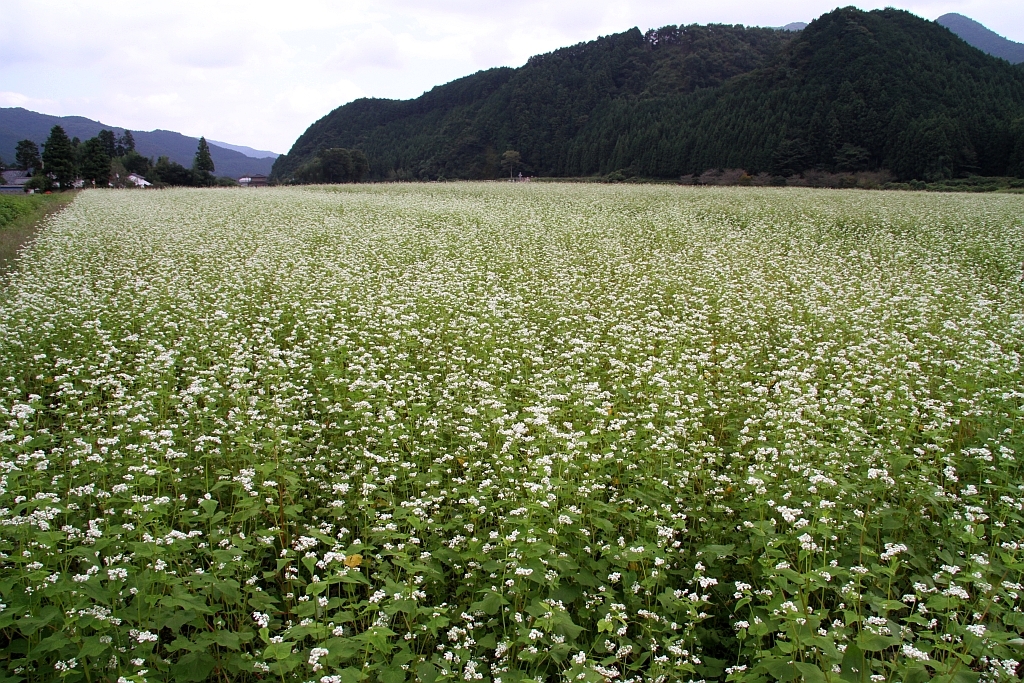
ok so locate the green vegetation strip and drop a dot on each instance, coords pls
(499, 433)
(19, 217)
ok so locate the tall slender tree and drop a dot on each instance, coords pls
(109, 142)
(94, 162)
(202, 165)
(59, 158)
(26, 156)
(125, 143)
(203, 160)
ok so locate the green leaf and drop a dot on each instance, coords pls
(810, 673)
(871, 642)
(92, 647)
(181, 643)
(559, 653)
(278, 650)
(916, 674)
(780, 669)
(427, 672)
(193, 667)
(51, 643)
(854, 668)
(492, 603)
(227, 639)
(718, 551)
(31, 624)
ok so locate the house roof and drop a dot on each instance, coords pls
(13, 174)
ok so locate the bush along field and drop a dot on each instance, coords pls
(505, 432)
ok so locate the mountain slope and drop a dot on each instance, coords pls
(460, 129)
(853, 90)
(20, 124)
(856, 90)
(983, 38)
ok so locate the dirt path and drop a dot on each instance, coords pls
(15, 235)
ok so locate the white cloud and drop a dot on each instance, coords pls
(375, 48)
(258, 73)
(16, 99)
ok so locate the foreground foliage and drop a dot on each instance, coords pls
(499, 432)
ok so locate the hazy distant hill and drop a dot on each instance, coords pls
(983, 38)
(247, 151)
(852, 91)
(20, 124)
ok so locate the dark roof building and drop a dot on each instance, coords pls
(253, 180)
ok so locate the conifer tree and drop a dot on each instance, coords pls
(26, 156)
(202, 165)
(94, 162)
(125, 144)
(59, 158)
(203, 161)
(109, 142)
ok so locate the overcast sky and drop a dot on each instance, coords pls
(258, 73)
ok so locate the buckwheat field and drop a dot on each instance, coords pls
(503, 432)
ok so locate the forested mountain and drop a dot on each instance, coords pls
(852, 91)
(21, 124)
(983, 38)
(460, 129)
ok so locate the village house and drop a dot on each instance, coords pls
(15, 177)
(253, 180)
(14, 182)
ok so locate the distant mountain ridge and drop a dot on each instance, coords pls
(983, 38)
(853, 91)
(247, 151)
(17, 124)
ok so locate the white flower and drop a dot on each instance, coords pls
(912, 652)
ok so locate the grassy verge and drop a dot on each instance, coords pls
(20, 217)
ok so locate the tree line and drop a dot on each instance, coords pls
(333, 165)
(107, 160)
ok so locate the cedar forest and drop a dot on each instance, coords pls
(854, 91)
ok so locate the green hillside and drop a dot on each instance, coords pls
(853, 91)
(460, 129)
